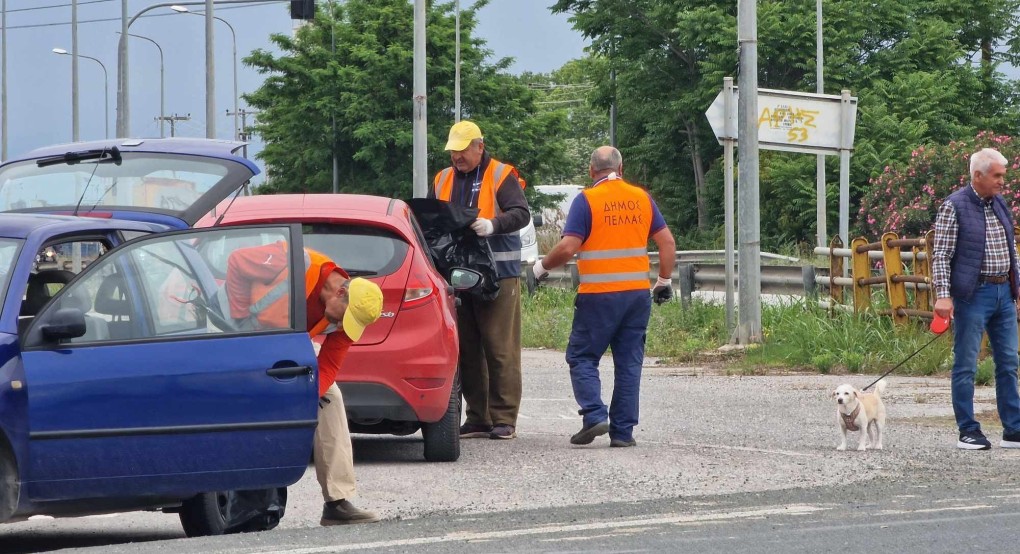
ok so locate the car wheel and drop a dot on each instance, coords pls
(219, 513)
(442, 438)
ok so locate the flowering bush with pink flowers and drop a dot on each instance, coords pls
(906, 199)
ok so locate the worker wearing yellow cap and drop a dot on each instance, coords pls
(490, 330)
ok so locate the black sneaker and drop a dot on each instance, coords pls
(504, 432)
(475, 431)
(588, 434)
(1010, 440)
(974, 440)
(620, 443)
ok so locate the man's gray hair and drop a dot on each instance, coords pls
(606, 157)
(983, 159)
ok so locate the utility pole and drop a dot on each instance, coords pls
(419, 178)
(210, 73)
(75, 126)
(820, 162)
(3, 81)
(748, 210)
(173, 119)
(243, 134)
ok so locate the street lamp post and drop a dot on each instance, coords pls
(123, 104)
(233, 36)
(106, 89)
(162, 87)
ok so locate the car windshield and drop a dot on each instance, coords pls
(141, 180)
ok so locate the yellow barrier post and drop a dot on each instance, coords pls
(896, 290)
(923, 297)
(861, 269)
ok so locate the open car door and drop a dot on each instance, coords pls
(140, 382)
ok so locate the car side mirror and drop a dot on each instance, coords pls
(463, 279)
(66, 323)
(538, 219)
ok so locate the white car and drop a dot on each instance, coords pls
(529, 242)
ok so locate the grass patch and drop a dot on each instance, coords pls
(798, 336)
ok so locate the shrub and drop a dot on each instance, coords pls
(906, 199)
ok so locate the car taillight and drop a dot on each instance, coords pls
(419, 290)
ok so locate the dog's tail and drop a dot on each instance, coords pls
(880, 387)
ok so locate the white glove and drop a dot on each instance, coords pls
(483, 227)
(539, 270)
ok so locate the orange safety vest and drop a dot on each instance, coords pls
(506, 247)
(272, 309)
(492, 179)
(614, 257)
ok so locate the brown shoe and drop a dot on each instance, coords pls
(342, 512)
(475, 431)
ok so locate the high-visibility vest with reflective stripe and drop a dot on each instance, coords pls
(506, 248)
(614, 257)
(272, 309)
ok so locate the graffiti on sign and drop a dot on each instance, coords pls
(797, 122)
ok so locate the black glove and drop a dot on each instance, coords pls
(663, 292)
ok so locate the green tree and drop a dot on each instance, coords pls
(354, 63)
(911, 63)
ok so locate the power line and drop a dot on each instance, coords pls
(57, 6)
(80, 21)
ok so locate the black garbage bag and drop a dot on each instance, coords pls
(453, 243)
(254, 510)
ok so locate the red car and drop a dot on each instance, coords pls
(402, 375)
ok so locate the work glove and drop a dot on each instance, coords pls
(663, 291)
(539, 270)
(482, 227)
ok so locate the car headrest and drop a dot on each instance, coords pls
(111, 298)
(41, 289)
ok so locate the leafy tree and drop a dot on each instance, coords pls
(354, 64)
(924, 72)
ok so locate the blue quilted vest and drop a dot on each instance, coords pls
(965, 267)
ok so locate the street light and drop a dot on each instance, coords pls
(106, 87)
(162, 88)
(233, 36)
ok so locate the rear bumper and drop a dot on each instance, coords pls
(369, 401)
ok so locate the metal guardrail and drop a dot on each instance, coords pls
(693, 272)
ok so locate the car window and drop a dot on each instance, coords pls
(70, 255)
(421, 239)
(166, 287)
(9, 249)
(360, 250)
(140, 180)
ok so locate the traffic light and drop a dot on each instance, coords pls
(302, 9)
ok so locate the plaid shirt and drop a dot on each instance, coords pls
(995, 261)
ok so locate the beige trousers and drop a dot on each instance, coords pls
(334, 457)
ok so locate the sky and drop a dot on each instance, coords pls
(39, 81)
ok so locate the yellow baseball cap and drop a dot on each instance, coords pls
(363, 306)
(461, 135)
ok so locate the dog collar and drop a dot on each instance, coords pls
(851, 419)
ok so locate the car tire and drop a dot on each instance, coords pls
(209, 513)
(442, 438)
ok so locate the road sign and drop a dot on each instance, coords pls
(791, 121)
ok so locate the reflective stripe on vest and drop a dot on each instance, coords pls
(614, 256)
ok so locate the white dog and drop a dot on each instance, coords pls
(860, 411)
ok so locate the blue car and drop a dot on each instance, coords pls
(124, 383)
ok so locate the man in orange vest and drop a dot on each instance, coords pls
(490, 331)
(608, 227)
(257, 286)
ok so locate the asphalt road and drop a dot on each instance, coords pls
(725, 462)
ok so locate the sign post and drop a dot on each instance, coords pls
(788, 121)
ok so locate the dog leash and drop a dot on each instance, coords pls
(905, 360)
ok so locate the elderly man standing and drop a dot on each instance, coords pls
(974, 269)
(490, 331)
(608, 227)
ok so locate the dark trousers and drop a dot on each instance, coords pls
(618, 320)
(490, 355)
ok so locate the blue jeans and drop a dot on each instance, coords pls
(618, 320)
(990, 310)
